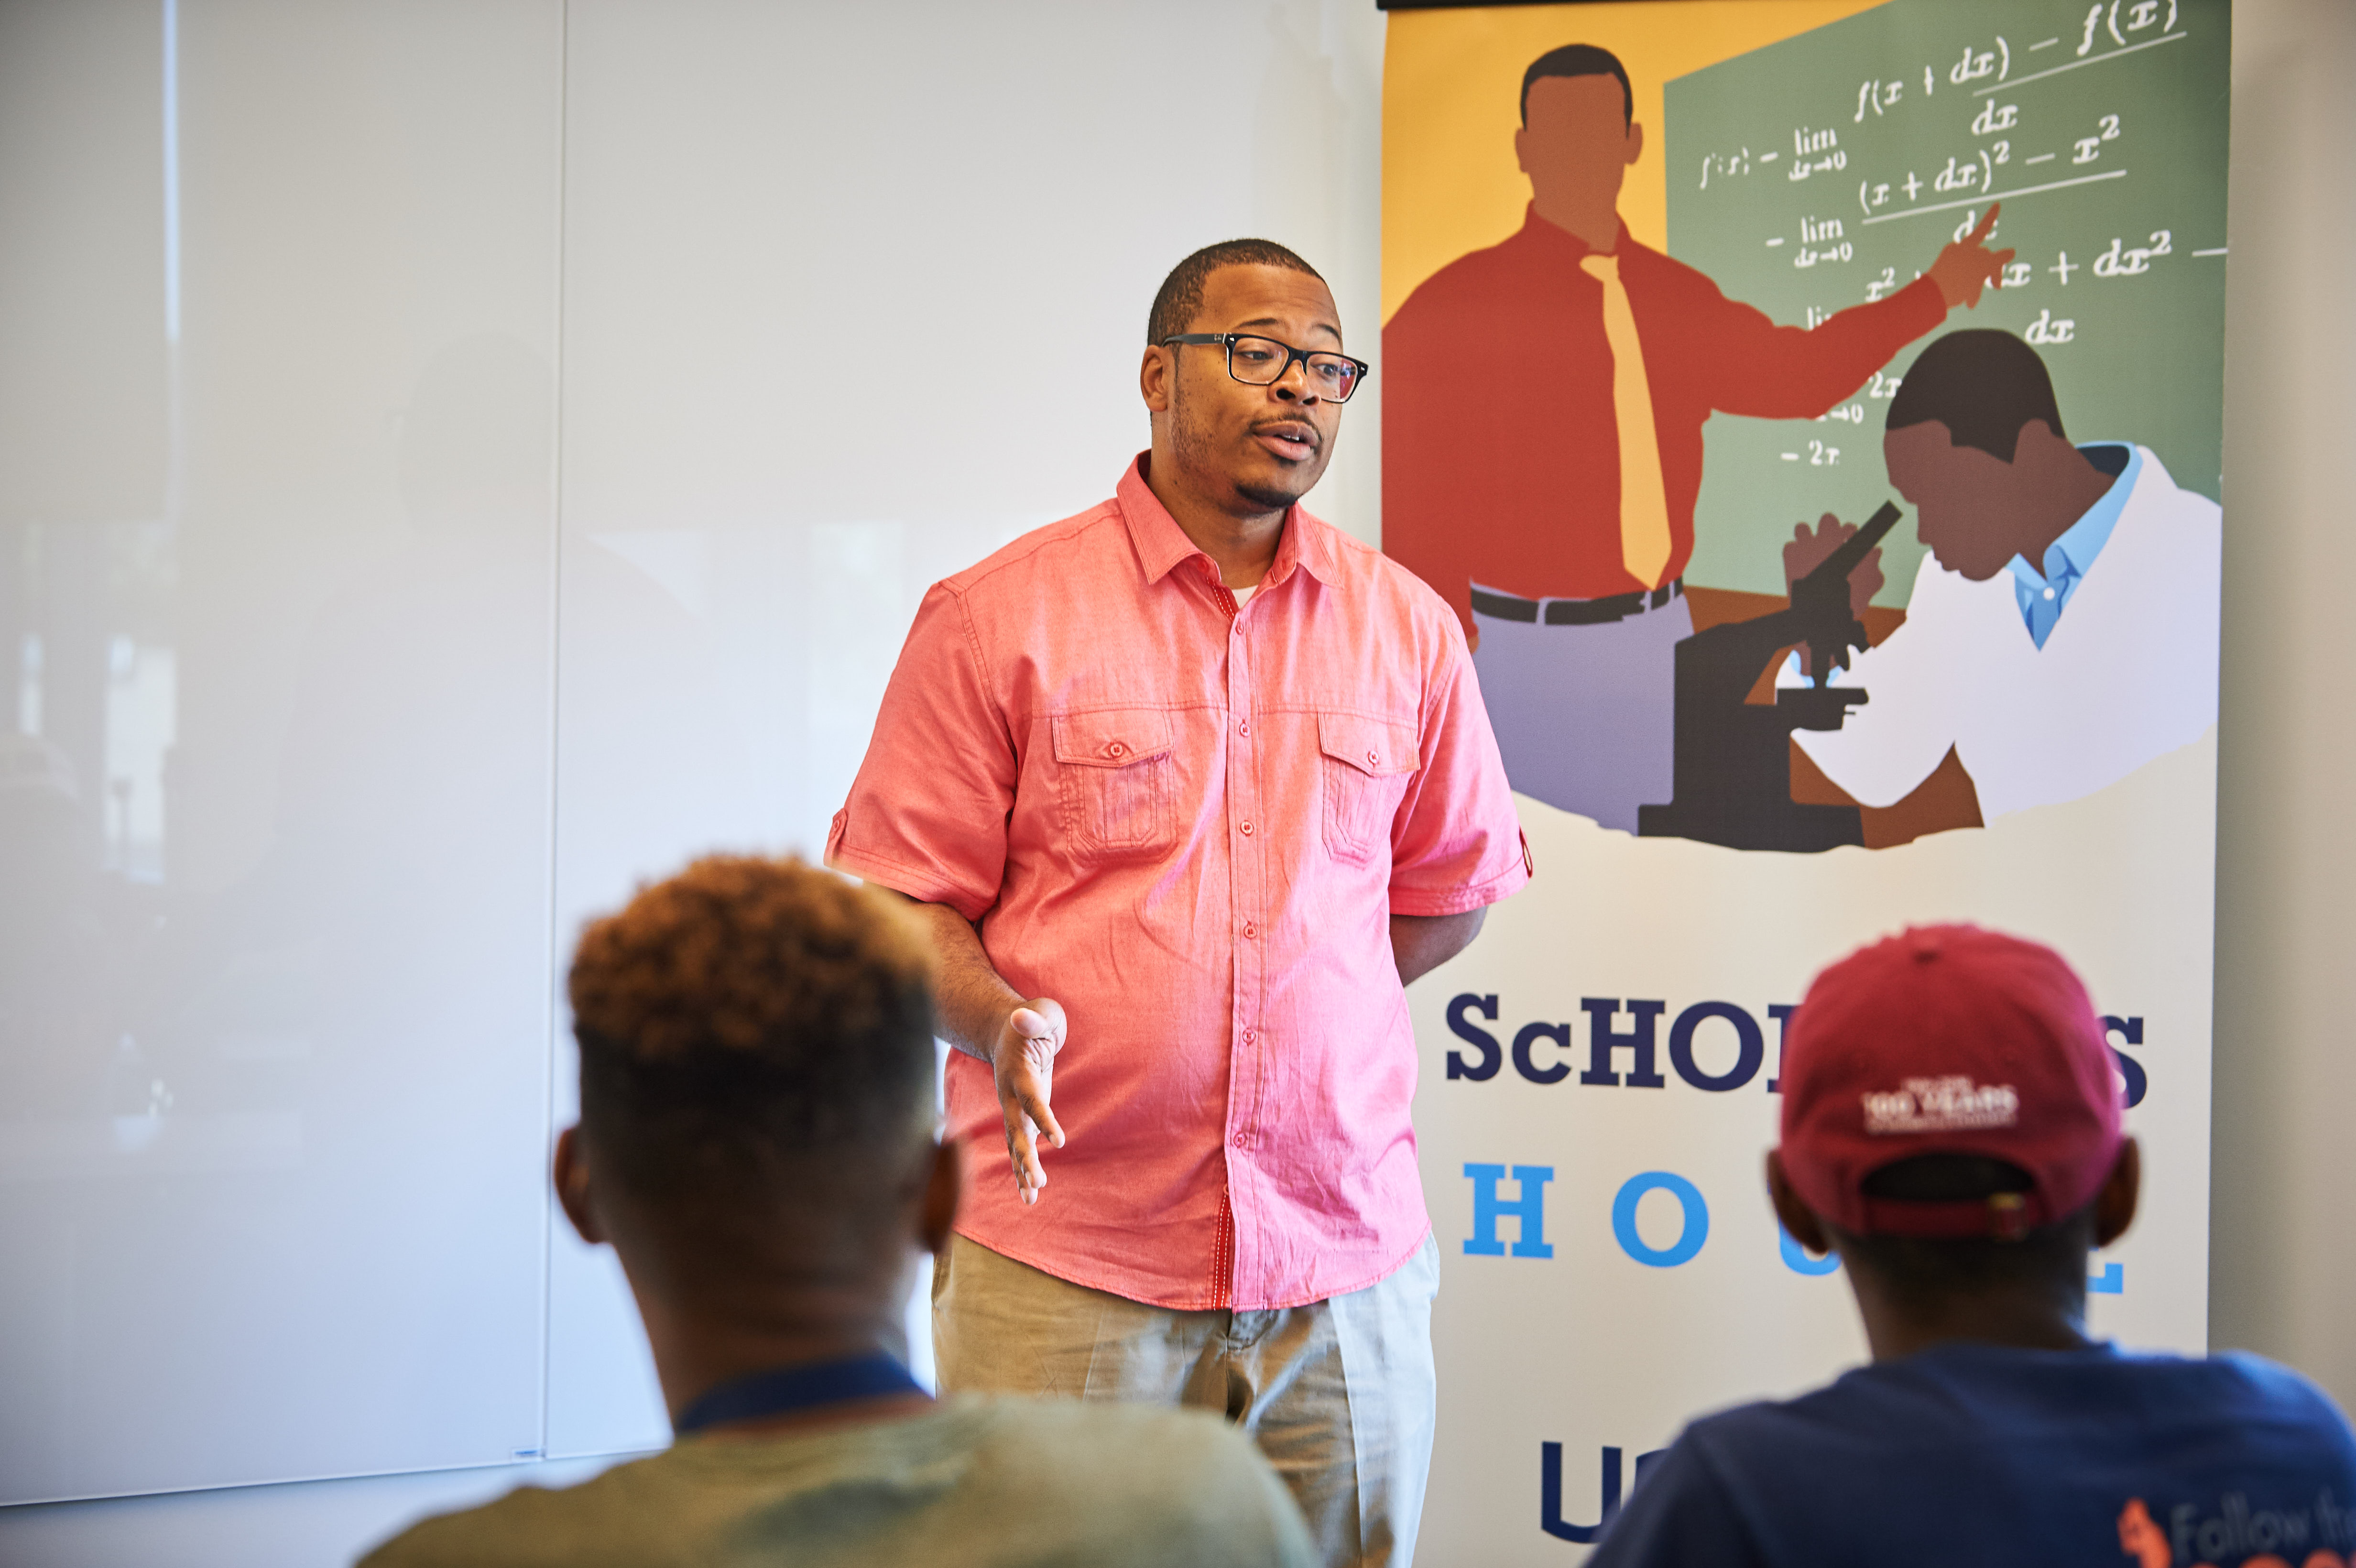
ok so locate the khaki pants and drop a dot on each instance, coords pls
(1338, 1394)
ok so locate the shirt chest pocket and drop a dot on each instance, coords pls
(1114, 771)
(1364, 769)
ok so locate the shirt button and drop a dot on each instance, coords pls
(1249, 1035)
(1250, 931)
(1372, 759)
(1247, 829)
(1243, 728)
(1239, 1140)
(1115, 750)
(2048, 593)
(1236, 628)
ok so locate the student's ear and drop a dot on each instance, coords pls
(571, 1175)
(1635, 148)
(1795, 1215)
(1521, 149)
(2114, 1205)
(940, 1206)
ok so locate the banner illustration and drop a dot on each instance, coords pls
(1812, 410)
(1586, 436)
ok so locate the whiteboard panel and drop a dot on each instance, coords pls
(320, 735)
(275, 747)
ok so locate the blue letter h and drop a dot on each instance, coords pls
(1529, 1209)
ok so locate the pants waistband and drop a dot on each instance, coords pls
(1574, 612)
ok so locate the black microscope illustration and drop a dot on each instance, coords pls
(1732, 776)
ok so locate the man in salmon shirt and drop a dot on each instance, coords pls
(1190, 785)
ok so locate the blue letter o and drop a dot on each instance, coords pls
(1689, 1239)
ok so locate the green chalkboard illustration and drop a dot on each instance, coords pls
(1814, 174)
(2059, 591)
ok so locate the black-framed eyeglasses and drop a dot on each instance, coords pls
(1263, 361)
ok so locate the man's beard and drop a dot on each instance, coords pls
(1191, 444)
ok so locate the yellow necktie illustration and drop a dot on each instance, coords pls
(1644, 504)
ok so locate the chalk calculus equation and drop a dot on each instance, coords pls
(2004, 119)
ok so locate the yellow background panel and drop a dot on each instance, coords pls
(1451, 101)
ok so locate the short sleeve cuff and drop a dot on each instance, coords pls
(914, 881)
(1407, 899)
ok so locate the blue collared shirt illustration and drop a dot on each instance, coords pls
(2043, 595)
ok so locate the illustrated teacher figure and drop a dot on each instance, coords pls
(1542, 442)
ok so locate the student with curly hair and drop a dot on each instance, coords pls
(756, 1144)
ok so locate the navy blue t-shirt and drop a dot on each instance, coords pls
(1981, 1455)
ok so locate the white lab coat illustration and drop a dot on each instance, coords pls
(2128, 672)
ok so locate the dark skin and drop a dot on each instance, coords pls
(2036, 1315)
(1974, 510)
(1229, 459)
(1229, 462)
(724, 1298)
(1808, 550)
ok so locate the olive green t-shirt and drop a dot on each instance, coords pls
(976, 1481)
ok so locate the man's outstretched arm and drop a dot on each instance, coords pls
(978, 1013)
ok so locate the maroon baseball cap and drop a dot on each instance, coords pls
(1948, 1040)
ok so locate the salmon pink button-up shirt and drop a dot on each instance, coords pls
(1189, 824)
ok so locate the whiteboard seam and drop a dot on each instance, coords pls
(555, 692)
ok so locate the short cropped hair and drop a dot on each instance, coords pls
(1580, 60)
(1180, 295)
(746, 1017)
(1925, 1270)
(1983, 385)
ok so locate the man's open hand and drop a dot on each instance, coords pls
(1023, 1059)
(1967, 266)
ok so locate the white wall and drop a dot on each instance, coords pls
(2283, 1269)
(750, 502)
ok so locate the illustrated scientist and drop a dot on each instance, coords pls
(2063, 630)
(1542, 443)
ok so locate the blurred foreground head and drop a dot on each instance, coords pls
(1951, 1117)
(756, 1061)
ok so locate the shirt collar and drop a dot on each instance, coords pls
(2073, 552)
(1537, 232)
(1161, 544)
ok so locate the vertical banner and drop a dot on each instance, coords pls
(1819, 587)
